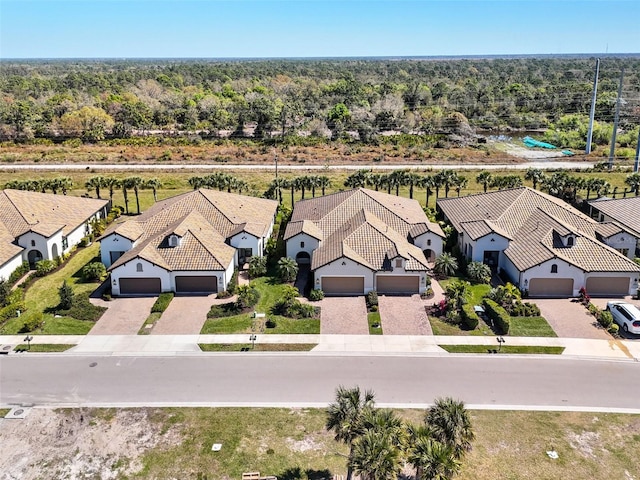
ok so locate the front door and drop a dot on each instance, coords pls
(491, 258)
(34, 256)
(244, 254)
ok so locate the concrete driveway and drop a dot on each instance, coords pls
(403, 316)
(570, 319)
(344, 316)
(185, 315)
(602, 303)
(124, 316)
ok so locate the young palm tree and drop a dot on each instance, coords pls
(450, 425)
(345, 417)
(445, 264)
(375, 457)
(413, 180)
(536, 176)
(479, 272)
(324, 182)
(484, 178)
(65, 184)
(197, 182)
(457, 294)
(375, 180)
(633, 181)
(432, 460)
(287, 269)
(154, 184)
(95, 183)
(112, 183)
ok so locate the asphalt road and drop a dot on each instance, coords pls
(310, 380)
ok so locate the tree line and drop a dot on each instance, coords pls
(311, 99)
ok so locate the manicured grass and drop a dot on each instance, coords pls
(530, 327)
(440, 327)
(227, 325)
(151, 320)
(522, 349)
(374, 319)
(258, 347)
(43, 347)
(286, 326)
(4, 411)
(477, 290)
(51, 326)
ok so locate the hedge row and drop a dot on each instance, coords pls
(469, 317)
(501, 318)
(162, 302)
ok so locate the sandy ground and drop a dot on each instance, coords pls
(527, 153)
(77, 444)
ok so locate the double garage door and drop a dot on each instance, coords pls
(184, 284)
(563, 287)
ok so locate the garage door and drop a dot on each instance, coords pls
(191, 284)
(613, 286)
(343, 285)
(551, 287)
(139, 286)
(398, 284)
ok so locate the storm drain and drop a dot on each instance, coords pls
(17, 413)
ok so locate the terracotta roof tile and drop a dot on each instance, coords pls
(625, 211)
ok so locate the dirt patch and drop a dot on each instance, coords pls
(585, 443)
(79, 444)
(304, 445)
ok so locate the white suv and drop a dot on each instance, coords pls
(626, 315)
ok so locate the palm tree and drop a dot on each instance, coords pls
(345, 417)
(432, 460)
(197, 182)
(112, 183)
(445, 264)
(375, 457)
(135, 183)
(536, 176)
(65, 184)
(303, 184)
(413, 180)
(397, 179)
(484, 178)
(324, 182)
(287, 269)
(375, 180)
(357, 179)
(438, 182)
(154, 184)
(53, 184)
(457, 293)
(95, 183)
(427, 183)
(241, 186)
(633, 181)
(313, 183)
(450, 424)
(460, 183)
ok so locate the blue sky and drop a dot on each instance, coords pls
(309, 28)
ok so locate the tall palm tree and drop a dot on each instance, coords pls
(302, 184)
(154, 184)
(375, 180)
(438, 182)
(460, 183)
(95, 183)
(375, 457)
(197, 182)
(287, 269)
(112, 183)
(536, 176)
(314, 182)
(450, 424)
(241, 186)
(413, 180)
(53, 184)
(136, 183)
(484, 178)
(357, 179)
(345, 415)
(633, 181)
(397, 179)
(324, 182)
(449, 179)
(427, 183)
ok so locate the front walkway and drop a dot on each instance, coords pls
(344, 315)
(185, 315)
(124, 316)
(403, 316)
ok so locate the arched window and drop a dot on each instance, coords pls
(554, 268)
(173, 241)
(570, 242)
(138, 267)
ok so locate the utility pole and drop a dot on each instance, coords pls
(278, 192)
(615, 122)
(592, 113)
(637, 161)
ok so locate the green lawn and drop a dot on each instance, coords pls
(374, 318)
(151, 320)
(258, 347)
(440, 327)
(478, 290)
(51, 326)
(530, 327)
(43, 347)
(520, 349)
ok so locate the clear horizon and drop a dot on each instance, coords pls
(275, 29)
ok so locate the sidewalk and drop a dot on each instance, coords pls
(388, 344)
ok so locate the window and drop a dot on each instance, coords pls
(139, 267)
(429, 241)
(65, 243)
(398, 263)
(173, 241)
(301, 244)
(554, 268)
(570, 242)
(33, 243)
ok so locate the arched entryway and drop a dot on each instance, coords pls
(429, 255)
(54, 251)
(303, 258)
(34, 256)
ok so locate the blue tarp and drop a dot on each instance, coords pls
(531, 143)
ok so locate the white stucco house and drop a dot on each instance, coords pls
(190, 243)
(41, 226)
(546, 247)
(360, 240)
(624, 212)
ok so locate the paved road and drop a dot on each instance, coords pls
(543, 164)
(310, 380)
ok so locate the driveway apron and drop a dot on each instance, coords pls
(570, 319)
(124, 316)
(344, 315)
(403, 315)
(185, 315)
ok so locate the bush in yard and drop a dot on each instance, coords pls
(593, 309)
(162, 302)
(605, 319)
(270, 323)
(248, 296)
(613, 329)
(82, 309)
(316, 295)
(45, 266)
(223, 294)
(66, 296)
(372, 299)
(18, 272)
(224, 310)
(500, 317)
(5, 290)
(469, 317)
(257, 267)
(32, 321)
(287, 269)
(93, 272)
(233, 283)
(479, 272)
(11, 310)
(445, 265)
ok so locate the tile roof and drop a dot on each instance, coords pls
(625, 211)
(363, 225)
(204, 219)
(535, 222)
(22, 211)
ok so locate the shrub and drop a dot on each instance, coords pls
(316, 295)
(613, 329)
(469, 317)
(287, 269)
(270, 323)
(233, 283)
(605, 319)
(248, 296)
(224, 310)
(18, 272)
(479, 272)
(66, 296)
(224, 294)
(45, 266)
(93, 272)
(374, 308)
(372, 299)
(32, 321)
(257, 267)
(5, 291)
(500, 317)
(593, 309)
(82, 309)
(162, 302)
(11, 310)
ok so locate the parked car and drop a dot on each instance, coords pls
(626, 315)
